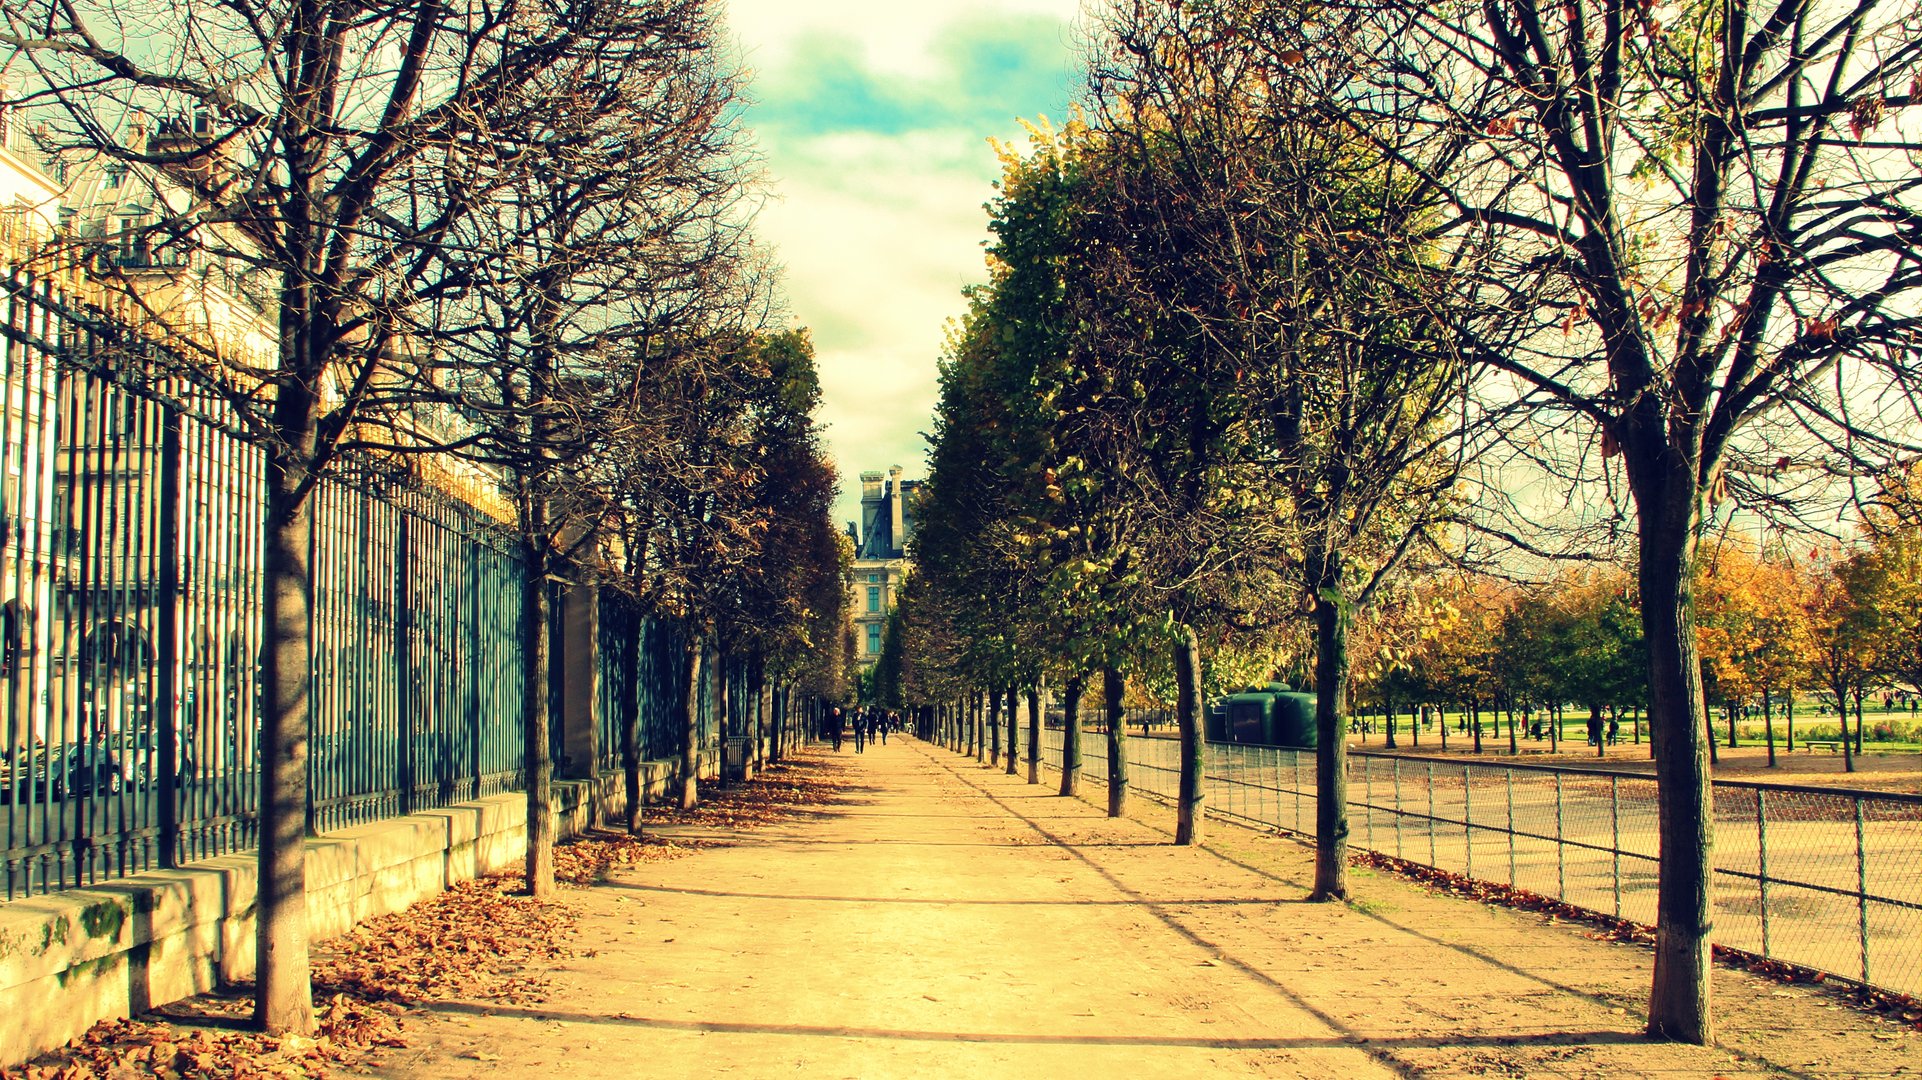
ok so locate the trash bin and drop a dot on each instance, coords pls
(734, 759)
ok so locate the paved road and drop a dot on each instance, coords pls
(948, 920)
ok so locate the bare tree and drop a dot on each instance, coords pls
(614, 234)
(316, 141)
(1695, 228)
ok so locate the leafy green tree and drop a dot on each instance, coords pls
(1287, 258)
(1847, 626)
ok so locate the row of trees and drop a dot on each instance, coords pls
(1774, 628)
(514, 233)
(1316, 292)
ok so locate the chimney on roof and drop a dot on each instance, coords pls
(871, 519)
(200, 161)
(897, 499)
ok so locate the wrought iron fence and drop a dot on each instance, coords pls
(130, 628)
(1818, 877)
(639, 681)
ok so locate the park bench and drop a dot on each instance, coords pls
(1833, 745)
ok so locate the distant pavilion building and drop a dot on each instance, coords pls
(880, 555)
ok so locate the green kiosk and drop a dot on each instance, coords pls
(1271, 715)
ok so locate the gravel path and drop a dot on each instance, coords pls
(945, 919)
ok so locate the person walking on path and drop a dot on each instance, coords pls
(834, 728)
(860, 731)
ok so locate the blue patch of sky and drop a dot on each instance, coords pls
(982, 75)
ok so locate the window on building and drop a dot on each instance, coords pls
(874, 599)
(874, 640)
(872, 578)
(133, 241)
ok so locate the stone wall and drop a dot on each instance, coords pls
(71, 959)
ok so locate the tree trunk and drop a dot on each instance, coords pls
(1388, 718)
(1768, 722)
(757, 721)
(1331, 759)
(1859, 692)
(1111, 691)
(1071, 736)
(723, 706)
(773, 721)
(1789, 708)
(1679, 1003)
(1034, 733)
(994, 727)
(690, 724)
(537, 761)
(977, 744)
(283, 994)
(1842, 725)
(982, 722)
(1014, 727)
(631, 734)
(1189, 809)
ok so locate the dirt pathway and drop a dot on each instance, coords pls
(948, 920)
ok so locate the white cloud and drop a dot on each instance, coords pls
(878, 240)
(896, 37)
(879, 233)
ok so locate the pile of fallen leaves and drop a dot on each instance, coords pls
(1898, 1007)
(349, 1032)
(476, 940)
(588, 859)
(781, 793)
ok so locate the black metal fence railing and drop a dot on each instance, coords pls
(638, 681)
(1821, 878)
(130, 628)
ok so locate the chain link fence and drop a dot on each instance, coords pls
(1821, 878)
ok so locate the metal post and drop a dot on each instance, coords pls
(1509, 776)
(1561, 853)
(1397, 775)
(1762, 861)
(1296, 766)
(1368, 796)
(167, 630)
(1861, 889)
(1615, 838)
(1431, 814)
(474, 666)
(1468, 823)
(403, 661)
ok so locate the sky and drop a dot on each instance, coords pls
(874, 120)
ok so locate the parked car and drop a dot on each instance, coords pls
(48, 773)
(101, 766)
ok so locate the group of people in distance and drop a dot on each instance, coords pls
(871, 724)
